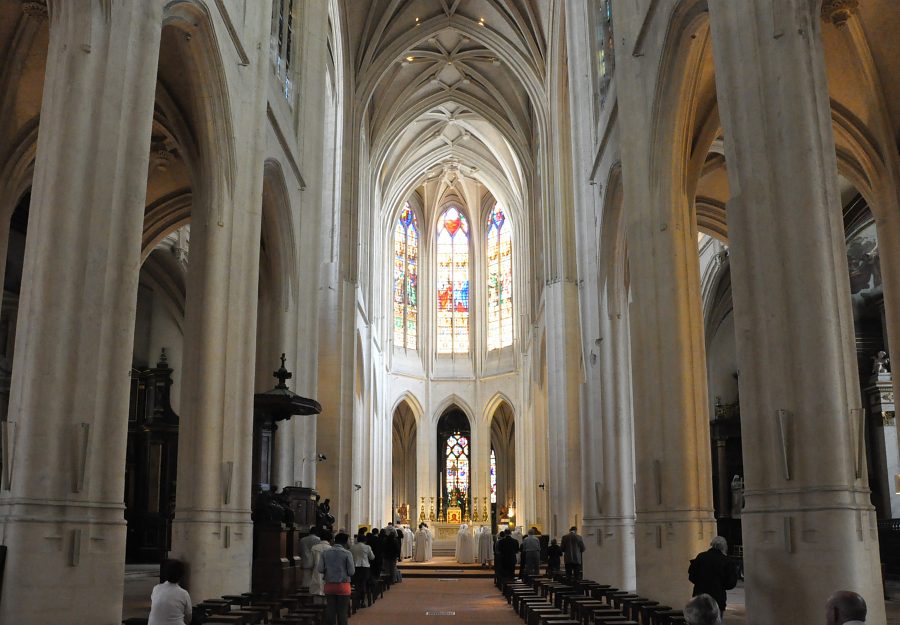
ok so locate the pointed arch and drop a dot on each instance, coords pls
(209, 113)
(449, 401)
(278, 231)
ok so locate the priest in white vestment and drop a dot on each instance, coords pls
(406, 543)
(465, 545)
(485, 546)
(423, 544)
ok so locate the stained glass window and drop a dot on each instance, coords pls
(452, 274)
(282, 43)
(493, 476)
(406, 278)
(457, 454)
(603, 42)
(499, 276)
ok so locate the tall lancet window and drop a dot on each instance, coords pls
(406, 278)
(493, 476)
(282, 44)
(499, 277)
(452, 283)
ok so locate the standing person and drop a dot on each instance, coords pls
(428, 543)
(465, 545)
(316, 581)
(306, 563)
(374, 541)
(362, 558)
(572, 547)
(336, 568)
(712, 572)
(531, 554)
(390, 553)
(485, 546)
(421, 544)
(170, 604)
(507, 549)
(554, 557)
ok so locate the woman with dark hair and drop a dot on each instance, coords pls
(170, 604)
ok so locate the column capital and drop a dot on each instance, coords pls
(839, 11)
(36, 9)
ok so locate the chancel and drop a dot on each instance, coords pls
(519, 266)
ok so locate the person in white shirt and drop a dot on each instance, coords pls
(845, 607)
(316, 581)
(362, 557)
(306, 563)
(170, 604)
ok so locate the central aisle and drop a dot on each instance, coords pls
(473, 601)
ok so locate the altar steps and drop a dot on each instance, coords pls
(448, 573)
(444, 567)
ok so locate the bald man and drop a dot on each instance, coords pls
(845, 608)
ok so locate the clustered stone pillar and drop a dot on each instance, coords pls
(808, 526)
(61, 510)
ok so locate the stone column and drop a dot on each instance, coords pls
(807, 498)
(212, 530)
(61, 505)
(724, 485)
(609, 497)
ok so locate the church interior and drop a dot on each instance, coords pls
(627, 266)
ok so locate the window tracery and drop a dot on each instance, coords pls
(406, 279)
(499, 280)
(282, 44)
(603, 44)
(452, 274)
(457, 455)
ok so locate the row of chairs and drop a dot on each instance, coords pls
(561, 601)
(300, 608)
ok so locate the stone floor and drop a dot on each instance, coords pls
(418, 601)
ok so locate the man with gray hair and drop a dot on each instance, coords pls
(845, 608)
(713, 573)
(702, 610)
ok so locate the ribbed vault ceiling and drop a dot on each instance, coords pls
(450, 85)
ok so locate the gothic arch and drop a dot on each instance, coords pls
(414, 404)
(453, 400)
(278, 232)
(613, 244)
(499, 398)
(210, 109)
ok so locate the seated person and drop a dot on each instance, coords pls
(170, 604)
(702, 610)
(845, 608)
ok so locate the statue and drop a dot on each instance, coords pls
(270, 509)
(324, 518)
(880, 363)
(737, 496)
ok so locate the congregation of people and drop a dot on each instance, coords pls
(340, 573)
